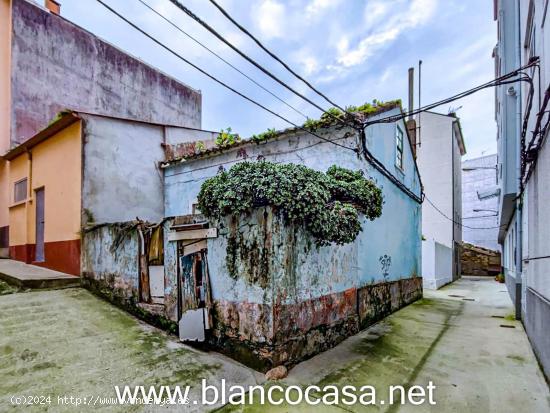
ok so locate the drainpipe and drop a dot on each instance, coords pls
(519, 203)
(454, 276)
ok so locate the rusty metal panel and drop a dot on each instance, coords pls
(191, 325)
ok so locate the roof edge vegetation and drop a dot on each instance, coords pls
(228, 140)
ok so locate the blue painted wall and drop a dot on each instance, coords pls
(396, 234)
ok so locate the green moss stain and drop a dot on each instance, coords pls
(83, 345)
(6, 288)
(248, 249)
(510, 317)
(516, 357)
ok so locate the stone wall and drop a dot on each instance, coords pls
(479, 261)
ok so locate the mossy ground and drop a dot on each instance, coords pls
(389, 353)
(6, 288)
(474, 363)
(69, 342)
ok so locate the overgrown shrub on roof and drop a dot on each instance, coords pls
(333, 115)
(328, 205)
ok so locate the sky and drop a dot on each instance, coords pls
(354, 51)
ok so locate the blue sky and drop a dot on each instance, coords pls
(354, 51)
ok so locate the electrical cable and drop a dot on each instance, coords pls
(256, 64)
(136, 27)
(274, 56)
(379, 166)
(495, 82)
(221, 58)
(456, 222)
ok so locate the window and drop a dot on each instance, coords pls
(20, 190)
(399, 148)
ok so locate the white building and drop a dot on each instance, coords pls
(440, 146)
(480, 195)
(524, 164)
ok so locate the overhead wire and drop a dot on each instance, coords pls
(204, 72)
(221, 58)
(259, 66)
(502, 80)
(374, 162)
(274, 56)
(456, 222)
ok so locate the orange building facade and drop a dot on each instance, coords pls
(45, 180)
(38, 79)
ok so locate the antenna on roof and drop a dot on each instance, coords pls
(453, 110)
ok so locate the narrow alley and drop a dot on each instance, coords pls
(462, 337)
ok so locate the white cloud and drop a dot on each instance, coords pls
(269, 17)
(317, 7)
(306, 59)
(375, 11)
(389, 25)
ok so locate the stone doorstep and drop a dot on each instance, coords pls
(34, 277)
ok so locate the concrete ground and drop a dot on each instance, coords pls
(454, 338)
(68, 342)
(32, 276)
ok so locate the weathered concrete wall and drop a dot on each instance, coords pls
(58, 65)
(122, 179)
(5, 110)
(278, 297)
(110, 269)
(115, 269)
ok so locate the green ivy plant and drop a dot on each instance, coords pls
(328, 205)
(227, 138)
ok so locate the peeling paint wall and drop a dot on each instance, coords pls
(115, 270)
(110, 269)
(287, 298)
(278, 297)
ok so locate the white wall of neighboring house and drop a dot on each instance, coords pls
(439, 151)
(524, 210)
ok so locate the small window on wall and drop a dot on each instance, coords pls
(399, 147)
(20, 190)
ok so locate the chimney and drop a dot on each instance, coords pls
(411, 129)
(411, 91)
(53, 6)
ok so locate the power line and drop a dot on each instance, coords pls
(273, 55)
(256, 64)
(139, 29)
(379, 166)
(456, 222)
(221, 58)
(502, 80)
